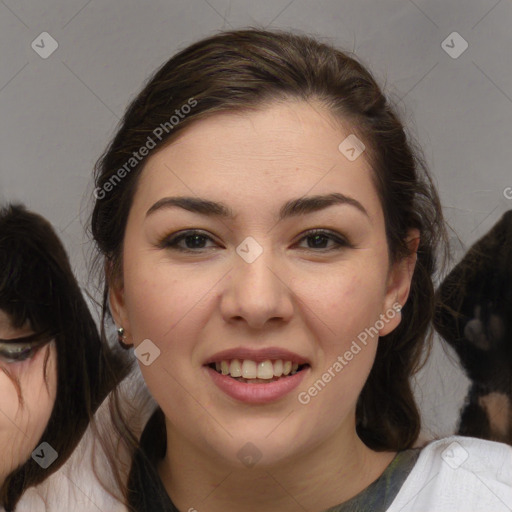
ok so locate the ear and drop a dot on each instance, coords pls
(116, 301)
(399, 284)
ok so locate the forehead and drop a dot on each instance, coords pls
(287, 149)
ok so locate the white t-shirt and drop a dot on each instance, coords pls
(458, 474)
(454, 474)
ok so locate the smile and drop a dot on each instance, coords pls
(256, 382)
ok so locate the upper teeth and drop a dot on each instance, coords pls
(252, 370)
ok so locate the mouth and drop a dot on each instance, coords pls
(249, 371)
(257, 376)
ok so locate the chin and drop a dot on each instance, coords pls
(261, 444)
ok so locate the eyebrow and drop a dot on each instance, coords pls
(292, 208)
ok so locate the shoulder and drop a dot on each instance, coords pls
(459, 474)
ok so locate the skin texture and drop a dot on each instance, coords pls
(312, 301)
(22, 425)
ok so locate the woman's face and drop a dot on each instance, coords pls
(26, 397)
(255, 289)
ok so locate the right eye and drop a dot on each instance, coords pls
(195, 237)
(20, 349)
(15, 352)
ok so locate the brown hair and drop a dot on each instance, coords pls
(247, 69)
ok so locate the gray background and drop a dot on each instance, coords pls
(59, 113)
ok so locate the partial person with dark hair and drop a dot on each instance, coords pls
(474, 316)
(55, 369)
(270, 235)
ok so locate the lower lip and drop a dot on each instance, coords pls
(256, 393)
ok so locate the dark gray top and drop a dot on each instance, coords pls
(147, 493)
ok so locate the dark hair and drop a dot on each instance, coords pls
(476, 293)
(37, 286)
(248, 69)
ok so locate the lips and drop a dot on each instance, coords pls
(256, 376)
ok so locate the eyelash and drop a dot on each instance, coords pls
(172, 241)
(15, 353)
(21, 349)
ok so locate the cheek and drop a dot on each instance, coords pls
(161, 295)
(169, 307)
(41, 386)
(175, 308)
(348, 304)
(22, 425)
(346, 300)
(330, 400)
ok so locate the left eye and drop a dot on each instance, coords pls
(318, 236)
(14, 352)
(197, 240)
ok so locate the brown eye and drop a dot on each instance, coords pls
(194, 241)
(319, 237)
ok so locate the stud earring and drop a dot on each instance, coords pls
(121, 338)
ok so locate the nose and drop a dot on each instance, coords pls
(257, 293)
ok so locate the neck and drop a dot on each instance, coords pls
(326, 475)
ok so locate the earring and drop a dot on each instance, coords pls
(121, 338)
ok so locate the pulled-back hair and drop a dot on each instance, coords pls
(37, 286)
(244, 70)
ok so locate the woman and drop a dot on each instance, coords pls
(55, 370)
(269, 238)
